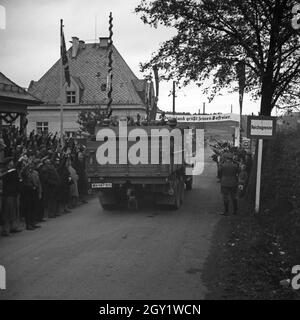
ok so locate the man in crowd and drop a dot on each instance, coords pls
(82, 178)
(35, 187)
(229, 182)
(10, 190)
(50, 184)
(27, 196)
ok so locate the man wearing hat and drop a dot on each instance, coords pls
(229, 182)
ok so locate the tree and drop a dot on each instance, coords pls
(88, 119)
(213, 36)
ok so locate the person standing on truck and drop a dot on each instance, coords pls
(229, 182)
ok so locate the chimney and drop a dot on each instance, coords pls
(75, 46)
(81, 44)
(104, 41)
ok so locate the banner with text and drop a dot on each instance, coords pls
(203, 117)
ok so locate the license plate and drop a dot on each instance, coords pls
(101, 185)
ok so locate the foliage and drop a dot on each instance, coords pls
(213, 36)
(88, 119)
(254, 254)
(281, 172)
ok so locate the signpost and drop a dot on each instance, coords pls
(260, 127)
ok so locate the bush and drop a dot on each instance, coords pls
(281, 172)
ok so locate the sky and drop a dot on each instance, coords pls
(30, 44)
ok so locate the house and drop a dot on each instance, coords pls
(88, 64)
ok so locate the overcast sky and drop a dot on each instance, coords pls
(30, 44)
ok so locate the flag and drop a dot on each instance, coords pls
(63, 53)
(109, 81)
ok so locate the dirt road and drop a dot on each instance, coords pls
(96, 254)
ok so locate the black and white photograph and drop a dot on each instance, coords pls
(149, 151)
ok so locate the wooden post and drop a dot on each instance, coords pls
(258, 175)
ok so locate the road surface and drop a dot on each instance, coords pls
(95, 254)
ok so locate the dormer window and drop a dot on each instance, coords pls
(73, 93)
(71, 96)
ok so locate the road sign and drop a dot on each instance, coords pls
(261, 127)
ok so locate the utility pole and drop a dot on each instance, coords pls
(174, 96)
(203, 107)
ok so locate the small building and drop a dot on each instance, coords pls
(14, 101)
(13, 107)
(88, 63)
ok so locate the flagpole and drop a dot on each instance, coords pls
(61, 90)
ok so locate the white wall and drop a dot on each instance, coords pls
(53, 118)
(70, 118)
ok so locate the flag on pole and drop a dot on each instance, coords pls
(63, 53)
(109, 81)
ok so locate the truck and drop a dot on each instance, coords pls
(123, 181)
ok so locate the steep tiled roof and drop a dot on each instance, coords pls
(10, 90)
(89, 70)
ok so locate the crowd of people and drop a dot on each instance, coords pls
(41, 178)
(233, 171)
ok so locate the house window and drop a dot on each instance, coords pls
(71, 96)
(42, 127)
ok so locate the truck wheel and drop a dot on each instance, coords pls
(189, 184)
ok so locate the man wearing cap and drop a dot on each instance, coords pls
(229, 182)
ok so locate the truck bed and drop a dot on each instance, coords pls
(150, 171)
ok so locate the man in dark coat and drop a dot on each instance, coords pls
(27, 197)
(50, 184)
(82, 177)
(65, 182)
(229, 182)
(10, 215)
